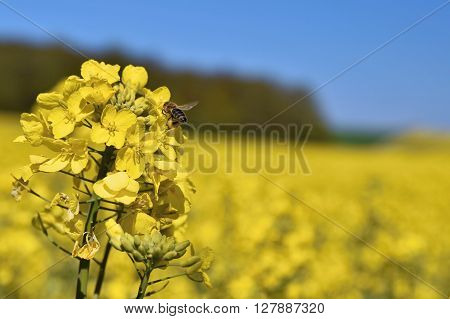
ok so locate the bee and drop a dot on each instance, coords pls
(175, 112)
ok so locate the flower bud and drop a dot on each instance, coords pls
(183, 245)
(192, 269)
(170, 255)
(126, 243)
(189, 262)
(138, 256)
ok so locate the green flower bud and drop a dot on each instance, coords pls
(137, 241)
(170, 255)
(142, 249)
(181, 253)
(183, 245)
(127, 243)
(192, 269)
(138, 256)
(189, 262)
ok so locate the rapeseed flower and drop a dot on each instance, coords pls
(72, 152)
(111, 135)
(64, 120)
(118, 186)
(113, 127)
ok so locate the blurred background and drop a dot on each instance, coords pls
(372, 78)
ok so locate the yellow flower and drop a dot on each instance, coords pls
(98, 94)
(35, 129)
(64, 119)
(73, 152)
(50, 100)
(72, 84)
(138, 224)
(134, 77)
(88, 250)
(134, 155)
(73, 205)
(163, 140)
(158, 97)
(118, 186)
(92, 70)
(113, 127)
(54, 217)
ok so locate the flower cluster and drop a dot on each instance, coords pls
(111, 134)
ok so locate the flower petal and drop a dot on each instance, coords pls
(117, 181)
(124, 120)
(99, 134)
(134, 76)
(93, 70)
(55, 164)
(108, 115)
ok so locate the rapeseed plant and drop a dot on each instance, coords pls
(108, 132)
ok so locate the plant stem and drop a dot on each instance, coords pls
(144, 283)
(102, 270)
(83, 269)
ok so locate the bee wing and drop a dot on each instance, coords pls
(187, 106)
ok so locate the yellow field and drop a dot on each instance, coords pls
(267, 242)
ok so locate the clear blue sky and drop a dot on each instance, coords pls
(405, 85)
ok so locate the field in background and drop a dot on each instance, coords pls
(268, 243)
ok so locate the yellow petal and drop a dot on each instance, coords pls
(78, 163)
(72, 84)
(93, 70)
(75, 103)
(49, 100)
(169, 151)
(78, 146)
(102, 190)
(88, 250)
(32, 127)
(117, 140)
(98, 95)
(134, 76)
(124, 120)
(108, 115)
(117, 181)
(20, 139)
(159, 96)
(85, 111)
(150, 143)
(62, 129)
(123, 156)
(125, 197)
(55, 164)
(138, 224)
(136, 166)
(99, 134)
(133, 186)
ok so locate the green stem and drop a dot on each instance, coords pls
(83, 269)
(102, 270)
(144, 283)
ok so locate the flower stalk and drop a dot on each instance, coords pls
(83, 268)
(144, 282)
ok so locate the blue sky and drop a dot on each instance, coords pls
(406, 85)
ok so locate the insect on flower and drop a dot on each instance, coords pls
(175, 112)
